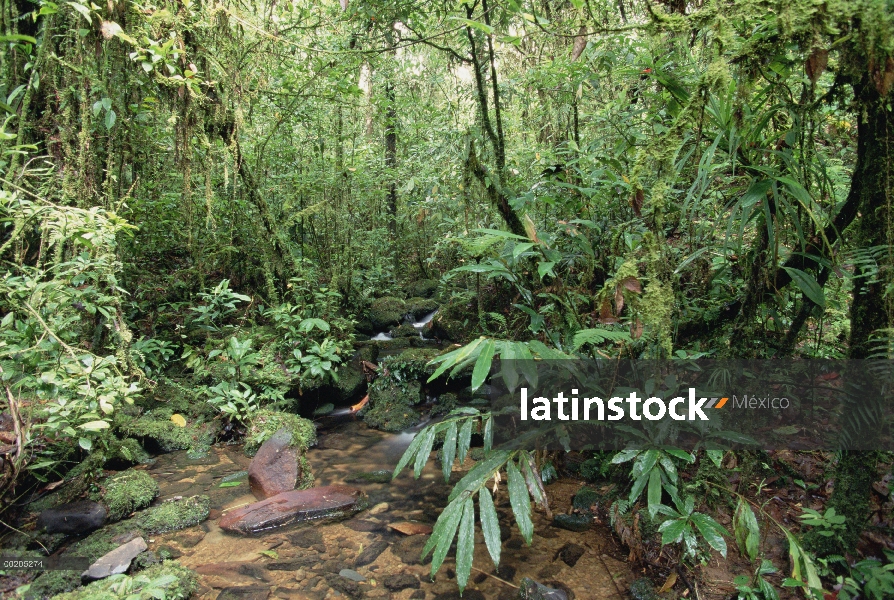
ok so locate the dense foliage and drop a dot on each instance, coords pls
(203, 206)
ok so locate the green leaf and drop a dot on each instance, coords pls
(490, 524)
(488, 434)
(520, 502)
(480, 473)
(95, 425)
(443, 534)
(449, 450)
(672, 530)
(465, 438)
(475, 25)
(482, 365)
(85, 12)
(15, 37)
(808, 285)
(545, 268)
(654, 492)
(409, 453)
(270, 554)
(424, 452)
(228, 484)
(712, 531)
(465, 545)
(85, 444)
(110, 119)
(746, 530)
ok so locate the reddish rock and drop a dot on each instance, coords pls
(331, 501)
(275, 467)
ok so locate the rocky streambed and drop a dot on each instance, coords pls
(365, 543)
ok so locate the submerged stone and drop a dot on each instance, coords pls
(327, 502)
(643, 589)
(370, 477)
(76, 517)
(573, 522)
(531, 590)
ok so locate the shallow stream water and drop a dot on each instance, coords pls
(232, 566)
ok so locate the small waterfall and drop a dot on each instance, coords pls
(420, 325)
(382, 336)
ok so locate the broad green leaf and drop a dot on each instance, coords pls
(85, 12)
(85, 443)
(746, 530)
(465, 438)
(490, 524)
(482, 365)
(465, 545)
(424, 451)
(521, 504)
(480, 473)
(227, 484)
(409, 453)
(672, 530)
(443, 534)
(521, 249)
(681, 454)
(508, 365)
(545, 268)
(654, 492)
(95, 425)
(110, 119)
(808, 285)
(712, 531)
(532, 480)
(449, 450)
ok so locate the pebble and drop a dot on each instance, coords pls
(379, 508)
(352, 575)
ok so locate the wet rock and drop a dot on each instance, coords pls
(234, 476)
(332, 501)
(409, 550)
(643, 589)
(386, 312)
(308, 537)
(422, 288)
(295, 563)
(116, 561)
(363, 525)
(401, 581)
(531, 590)
(381, 507)
(549, 571)
(370, 477)
(352, 575)
(570, 554)
(417, 595)
(585, 499)
(391, 402)
(370, 553)
(254, 571)
(467, 595)
(506, 572)
(274, 469)
(265, 423)
(420, 308)
(573, 522)
(244, 592)
(76, 517)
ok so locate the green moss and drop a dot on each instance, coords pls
(305, 473)
(446, 402)
(265, 423)
(391, 403)
(419, 307)
(423, 288)
(173, 579)
(404, 331)
(126, 492)
(350, 380)
(173, 515)
(156, 425)
(387, 312)
(456, 321)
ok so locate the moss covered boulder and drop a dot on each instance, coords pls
(265, 423)
(173, 515)
(125, 493)
(403, 331)
(157, 427)
(386, 312)
(172, 579)
(422, 288)
(391, 402)
(420, 307)
(456, 321)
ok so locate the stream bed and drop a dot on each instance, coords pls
(328, 559)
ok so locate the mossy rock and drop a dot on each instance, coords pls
(386, 312)
(391, 403)
(157, 426)
(350, 381)
(585, 499)
(404, 331)
(176, 581)
(413, 363)
(455, 321)
(422, 288)
(445, 403)
(180, 398)
(643, 589)
(126, 492)
(173, 515)
(364, 326)
(265, 423)
(419, 307)
(573, 522)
